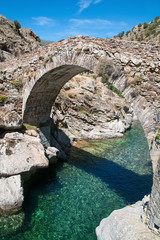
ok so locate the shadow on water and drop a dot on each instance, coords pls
(126, 183)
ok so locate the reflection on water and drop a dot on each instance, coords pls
(70, 199)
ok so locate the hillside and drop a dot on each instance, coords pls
(143, 32)
(45, 42)
(15, 40)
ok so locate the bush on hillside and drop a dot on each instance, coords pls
(145, 25)
(17, 24)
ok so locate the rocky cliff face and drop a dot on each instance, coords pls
(15, 40)
(86, 108)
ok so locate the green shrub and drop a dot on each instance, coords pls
(120, 35)
(139, 25)
(157, 18)
(137, 80)
(82, 112)
(158, 135)
(17, 83)
(3, 98)
(94, 77)
(78, 51)
(127, 33)
(147, 33)
(105, 70)
(29, 127)
(17, 24)
(17, 27)
(145, 25)
(112, 88)
(38, 39)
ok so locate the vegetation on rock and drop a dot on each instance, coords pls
(143, 32)
(29, 127)
(106, 71)
(158, 136)
(17, 83)
(3, 98)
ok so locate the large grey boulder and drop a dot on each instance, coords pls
(21, 153)
(125, 224)
(11, 193)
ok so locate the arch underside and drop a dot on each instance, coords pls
(43, 94)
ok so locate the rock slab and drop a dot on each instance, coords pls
(125, 224)
(20, 153)
(11, 193)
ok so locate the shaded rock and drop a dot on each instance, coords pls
(61, 155)
(52, 154)
(11, 193)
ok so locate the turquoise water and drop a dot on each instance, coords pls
(69, 200)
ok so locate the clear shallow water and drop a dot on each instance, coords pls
(70, 199)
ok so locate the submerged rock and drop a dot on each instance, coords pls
(11, 223)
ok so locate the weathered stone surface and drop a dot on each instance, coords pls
(32, 133)
(11, 193)
(88, 109)
(154, 204)
(52, 154)
(20, 153)
(10, 119)
(125, 224)
(15, 42)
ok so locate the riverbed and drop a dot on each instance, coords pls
(70, 199)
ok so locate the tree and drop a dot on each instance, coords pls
(156, 18)
(120, 35)
(17, 24)
(145, 25)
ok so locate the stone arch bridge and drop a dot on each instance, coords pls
(44, 73)
(29, 84)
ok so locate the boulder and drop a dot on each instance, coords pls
(52, 154)
(20, 153)
(11, 193)
(9, 119)
(125, 224)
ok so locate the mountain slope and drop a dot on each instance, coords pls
(15, 40)
(143, 32)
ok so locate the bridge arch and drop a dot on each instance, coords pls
(38, 105)
(40, 92)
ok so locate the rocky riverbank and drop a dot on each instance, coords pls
(86, 109)
(129, 223)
